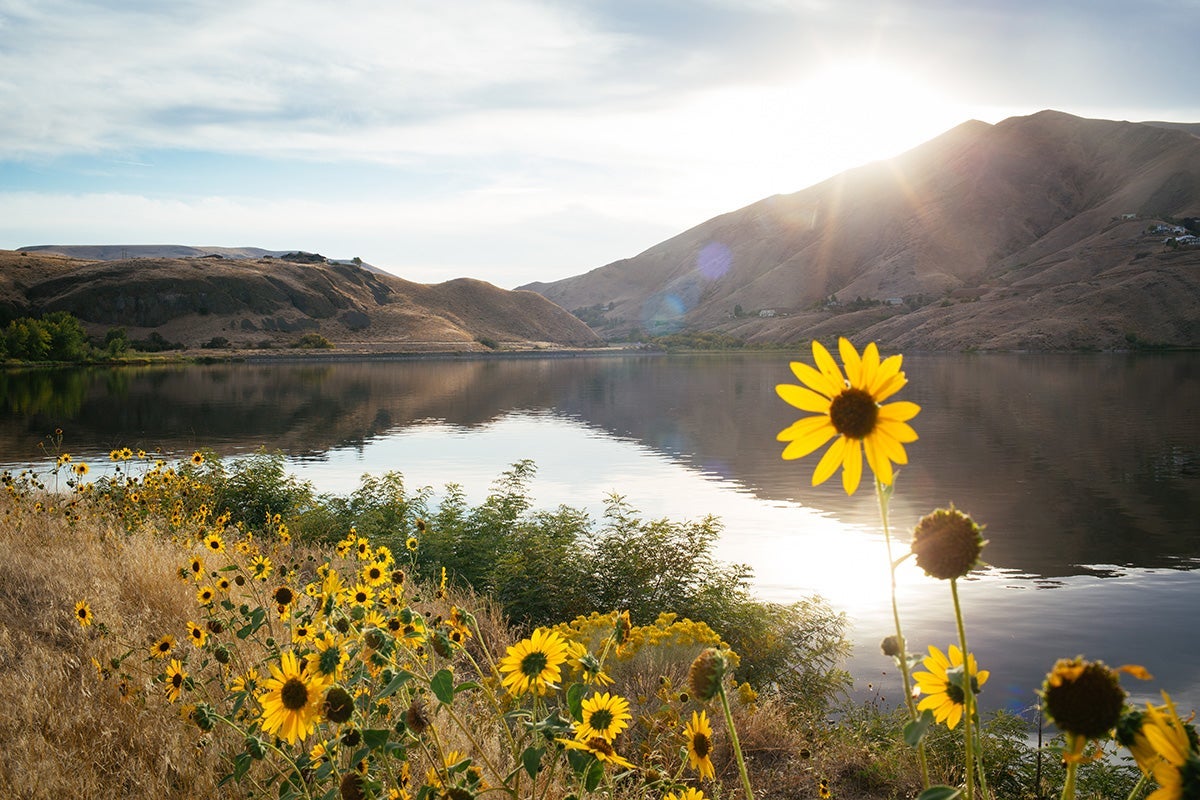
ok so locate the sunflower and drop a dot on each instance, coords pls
(410, 544)
(604, 715)
(175, 678)
(196, 634)
(213, 543)
(361, 595)
(83, 613)
(81, 469)
(699, 745)
(1178, 768)
(260, 567)
(162, 647)
(534, 664)
(943, 684)
(197, 458)
(375, 573)
(848, 407)
(247, 682)
(685, 794)
(599, 748)
(292, 703)
(205, 596)
(331, 656)
(195, 567)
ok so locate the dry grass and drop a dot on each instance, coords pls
(67, 732)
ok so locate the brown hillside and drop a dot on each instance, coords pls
(272, 302)
(1025, 219)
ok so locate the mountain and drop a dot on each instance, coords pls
(271, 302)
(121, 252)
(1041, 232)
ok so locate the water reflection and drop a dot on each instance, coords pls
(1077, 464)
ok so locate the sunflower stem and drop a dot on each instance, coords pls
(733, 739)
(882, 497)
(1137, 787)
(968, 694)
(1068, 792)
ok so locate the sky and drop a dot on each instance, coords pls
(519, 140)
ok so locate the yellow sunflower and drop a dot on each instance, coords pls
(196, 634)
(83, 613)
(699, 745)
(685, 794)
(162, 647)
(197, 458)
(534, 664)
(598, 747)
(213, 543)
(943, 684)
(292, 703)
(1178, 768)
(175, 678)
(260, 567)
(604, 715)
(848, 407)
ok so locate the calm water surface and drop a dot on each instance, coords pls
(1084, 468)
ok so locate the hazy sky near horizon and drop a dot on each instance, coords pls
(518, 140)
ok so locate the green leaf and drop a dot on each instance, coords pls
(595, 772)
(575, 701)
(375, 738)
(442, 685)
(395, 684)
(939, 793)
(467, 686)
(532, 759)
(915, 731)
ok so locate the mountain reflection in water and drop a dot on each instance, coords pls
(1085, 470)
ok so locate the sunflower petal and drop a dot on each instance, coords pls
(877, 460)
(815, 379)
(830, 461)
(870, 367)
(803, 399)
(828, 366)
(888, 379)
(803, 427)
(902, 411)
(802, 446)
(851, 361)
(889, 447)
(852, 466)
(900, 431)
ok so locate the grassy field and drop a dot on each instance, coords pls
(150, 634)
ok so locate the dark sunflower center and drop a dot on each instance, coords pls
(701, 745)
(284, 596)
(955, 693)
(533, 664)
(853, 413)
(601, 719)
(361, 597)
(375, 574)
(294, 694)
(83, 612)
(177, 680)
(163, 647)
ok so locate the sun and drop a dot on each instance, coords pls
(872, 109)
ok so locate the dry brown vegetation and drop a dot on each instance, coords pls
(69, 730)
(271, 303)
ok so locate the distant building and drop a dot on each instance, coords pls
(894, 301)
(767, 312)
(1129, 216)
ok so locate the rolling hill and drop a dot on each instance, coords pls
(263, 302)
(1042, 232)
